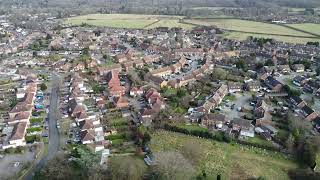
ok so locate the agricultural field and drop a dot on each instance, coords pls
(131, 21)
(243, 36)
(170, 23)
(248, 26)
(232, 161)
(313, 28)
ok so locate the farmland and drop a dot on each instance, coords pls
(248, 26)
(313, 28)
(242, 29)
(230, 160)
(131, 21)
(243, 36)
(239, 29)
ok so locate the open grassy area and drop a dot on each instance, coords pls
(248, 26)
(131, 21)
(231, 160)
(313, 28)
(170, 23)
(259, 29)
(192, 127)
(243, 36)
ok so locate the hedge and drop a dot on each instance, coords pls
(218, 136)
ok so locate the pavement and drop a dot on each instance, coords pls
(54, 137)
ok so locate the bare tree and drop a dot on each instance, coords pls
(193, 152)
(125, 168)
(172, 166)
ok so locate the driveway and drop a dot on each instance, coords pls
(241, 100)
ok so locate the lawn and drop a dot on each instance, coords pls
(259, 141)
(131, 21)
(192, 127)
(232, 161)
(34, 129)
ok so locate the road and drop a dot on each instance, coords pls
(54, 137)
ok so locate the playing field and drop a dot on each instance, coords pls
(232, 161)
(131, 21)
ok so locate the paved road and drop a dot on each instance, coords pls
(54, 137)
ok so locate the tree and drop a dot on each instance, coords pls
(124, 168)
(146, 138)
(241, 64)
(308, 155)
(43, 86)
(193, 152)
(172, 166)
(59, 168)
(290, 143)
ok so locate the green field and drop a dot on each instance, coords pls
(248, 26)
(131, 21)
(231, 160)
(241, 29)
(170, 23)
(259, 29)
(244, 36)
(313, 28)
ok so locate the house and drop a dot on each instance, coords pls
(79, 67)
(117, 90)
(20, 108)
(161, 71)
(75, 108)
(150, 59)
(213, 120)
(215, 99)
(158, 81)
(105, 70)
(261, 112)
(298, 68)
(20, 117)
(253, 86)
(273, 84)
(309, 113)
(87, 136)
(284, 69)
(18, 134)
(244, 127)
(270, 129)
(134, 91)
(300, 81)
(234, 87)
(297, 101)
(86, 125)
(121, 102)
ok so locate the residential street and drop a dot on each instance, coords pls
(53, 130)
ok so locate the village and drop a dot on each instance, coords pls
(103, 87)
